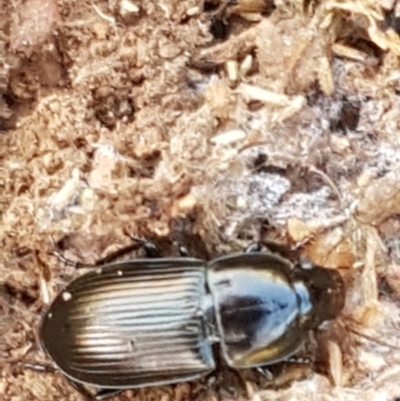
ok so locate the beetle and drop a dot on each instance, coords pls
(154, 321)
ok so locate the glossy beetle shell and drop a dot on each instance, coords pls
(131, 324)
(153, 321)
(258, 310)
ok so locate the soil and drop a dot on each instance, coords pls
(210, 124)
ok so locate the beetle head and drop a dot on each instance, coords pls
(327, 292)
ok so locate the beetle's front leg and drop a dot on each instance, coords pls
(254, 247)
(271, 246)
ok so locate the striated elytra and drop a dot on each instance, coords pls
(150, 322)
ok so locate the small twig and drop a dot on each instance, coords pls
(38, 368)
(103, 16)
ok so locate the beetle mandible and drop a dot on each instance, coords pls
(153, 321)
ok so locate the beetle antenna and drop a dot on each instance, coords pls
(371, 338)
(59, 256)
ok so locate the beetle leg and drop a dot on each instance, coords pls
(99, 396)
(265, 372)
(183, 251)
(80, 265)
(254, 247)
(280, 249)
(82, 390)
(117, 254)
(62, 258)
(106, 393)
(150, 248)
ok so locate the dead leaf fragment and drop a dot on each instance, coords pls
(380, 201)
(298, 230)
(218, 97)
(251, 6)
(330, 249)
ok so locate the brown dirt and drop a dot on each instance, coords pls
(204, 127)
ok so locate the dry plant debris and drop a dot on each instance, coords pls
(209, 123)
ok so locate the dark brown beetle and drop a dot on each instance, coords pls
(150, 322)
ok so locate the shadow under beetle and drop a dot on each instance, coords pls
(150, 322)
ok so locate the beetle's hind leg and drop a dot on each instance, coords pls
(150, 249)
(105, 394)
(79, 265)
(99, 396)
(55, 252)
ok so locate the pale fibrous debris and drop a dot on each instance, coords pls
(103, 16)
(371, 361)
(387, 4)
(229, 137)
(246, 65)
(250, 92)
(304, 206)
(44, 291)
(251, 17)
(380, 200)
(349, 52)
(232, 69)
(298, 230)
(335, 363)
(88, 199)
(67, 194)
(184, 206)
(193, 11)
(325, 76)
(127, 7)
